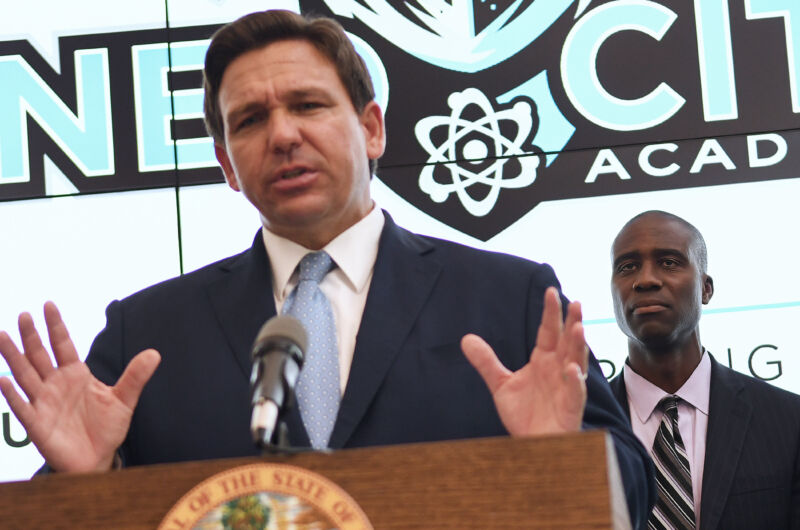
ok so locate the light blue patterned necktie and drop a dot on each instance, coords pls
(318, 385)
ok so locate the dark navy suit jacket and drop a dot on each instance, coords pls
(409, 380)
(751, 475)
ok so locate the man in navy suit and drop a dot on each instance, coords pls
(741, 435)
(296, 130)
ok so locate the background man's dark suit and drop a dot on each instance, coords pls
(409, 380)
(751, 476)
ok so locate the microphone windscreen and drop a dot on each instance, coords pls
(282, 327)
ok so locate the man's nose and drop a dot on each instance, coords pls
(284, 133)
(647, 278)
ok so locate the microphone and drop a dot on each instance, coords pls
(277, 359)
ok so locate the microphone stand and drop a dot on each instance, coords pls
(282, 447)
(278, 443)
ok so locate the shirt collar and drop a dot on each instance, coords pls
(354, 251)
(644, 395)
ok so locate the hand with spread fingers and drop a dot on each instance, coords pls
(75, 421)
(548, 394)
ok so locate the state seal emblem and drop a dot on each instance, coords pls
(264, 497)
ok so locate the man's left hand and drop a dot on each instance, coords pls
(548, 394)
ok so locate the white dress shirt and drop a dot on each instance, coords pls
(643, 398)
(354, 251)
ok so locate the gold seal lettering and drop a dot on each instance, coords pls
(239, 482)
(343, 511)
(201, 501)
(282, 488)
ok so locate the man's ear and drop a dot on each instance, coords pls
(227, 167)
(708, 288)
(371, 119)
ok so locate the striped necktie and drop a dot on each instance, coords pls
(317, 389)
(674, 507)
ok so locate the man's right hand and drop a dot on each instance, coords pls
(74, 420)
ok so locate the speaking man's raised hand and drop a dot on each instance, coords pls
(74, 420)
(548, 394)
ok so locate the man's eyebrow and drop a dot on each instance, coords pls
(670, 251)
(657, 252)
(627, 255)
(302, 93)
(243, 109)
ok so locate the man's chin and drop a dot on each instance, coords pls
(654, 335)
(657, 342)
(297, 215)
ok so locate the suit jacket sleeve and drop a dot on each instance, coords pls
(636, 468)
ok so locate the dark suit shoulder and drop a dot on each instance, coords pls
(492, 266)
(757, 389)
(179, 314)
(451, 248)
(191, 283)
(751, 476)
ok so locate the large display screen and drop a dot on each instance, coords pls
(531, 127)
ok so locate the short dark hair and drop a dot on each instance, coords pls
(700, 242)
(257, 30)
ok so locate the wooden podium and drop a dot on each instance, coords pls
(569, 481)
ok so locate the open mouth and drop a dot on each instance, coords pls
(293, 173)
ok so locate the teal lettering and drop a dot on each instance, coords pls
(84, 136)
(789, 10)
(715, 52)
(154, 107)
(579, 69)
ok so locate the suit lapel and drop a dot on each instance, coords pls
(620, 393)
(401, 283)
(728, 418)
(242, 300)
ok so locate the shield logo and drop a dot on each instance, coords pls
(470, 118)
(463, 35)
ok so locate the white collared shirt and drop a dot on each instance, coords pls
(643, 397)
(354, 251)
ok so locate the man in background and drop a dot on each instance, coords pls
(726, 446)
(291, 109)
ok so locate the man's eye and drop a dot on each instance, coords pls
(308, 105)
(626, 267)
(247, 122)
(669, 262)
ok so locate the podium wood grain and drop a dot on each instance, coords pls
(567, 481)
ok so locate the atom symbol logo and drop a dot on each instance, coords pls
(468, 143)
